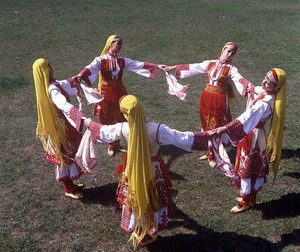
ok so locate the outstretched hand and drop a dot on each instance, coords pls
(218, 131)
(211, 132)
(77, 79)
(166, 68)
(87, 121)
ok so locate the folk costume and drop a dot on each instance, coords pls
(110, 67)
(59, 124)
(214, 109)
(143, 191)
(254, 150)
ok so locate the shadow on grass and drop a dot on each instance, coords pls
(206, 239)
(290, 153)
(286, 206)
(292, 174)
(104, 195)
(174, 153)
(290, 239)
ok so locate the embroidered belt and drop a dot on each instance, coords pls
(215, 89)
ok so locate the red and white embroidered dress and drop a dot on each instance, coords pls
(158, 134)
(214, 103)
(111, 68)
(59, 92)
(247, 131)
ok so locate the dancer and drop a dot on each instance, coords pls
(143, 193)
(59, 125)
(254, 150)
(109, 66)
(214, 109)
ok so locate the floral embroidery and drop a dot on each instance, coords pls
(253, 165)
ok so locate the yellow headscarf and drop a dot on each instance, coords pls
(274, 142)
(139, 166)
(49, 124)
(105, 50)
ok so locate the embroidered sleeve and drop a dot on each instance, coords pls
(152, 68)
(75, 116)
(74, 84)
(235, 131)
(95, 130)
(185, 71)
(200, 141)
(85, 73)
(244, 82)
(239, 81)
(180, 68)
(145, 69)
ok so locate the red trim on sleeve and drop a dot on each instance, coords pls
(76, 115)
(245, 83)
(235, 131)
(152, 68)
(180, 68)
(200, 141)
(85, 73)
(95, 130)
(74, 84)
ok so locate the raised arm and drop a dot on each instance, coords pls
(242, 85)
(145, 69)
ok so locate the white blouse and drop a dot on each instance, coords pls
(130, 65)
(201, 68)
(61, 102)
(165, 135)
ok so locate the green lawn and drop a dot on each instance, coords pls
(34, 214)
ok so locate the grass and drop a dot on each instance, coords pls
(35, 216)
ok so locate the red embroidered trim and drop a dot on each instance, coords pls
(125, 220)
(235, 131)
(254, 164)
(164, 220)
(74, 84)
(85, 73)
(245, 83)
(95, 130)
(76, 115)
(51, 158)
(200, 141)
(152, 68)
(180, 68)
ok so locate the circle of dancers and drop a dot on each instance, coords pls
(143, 194)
